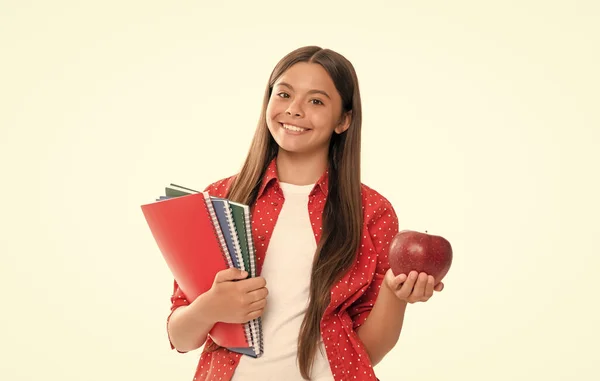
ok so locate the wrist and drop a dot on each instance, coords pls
(390, 298)
(202, 311)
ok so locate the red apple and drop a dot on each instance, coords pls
(412, 250)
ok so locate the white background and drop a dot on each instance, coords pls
(480, 124)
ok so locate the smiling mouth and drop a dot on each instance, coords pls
(291, 127)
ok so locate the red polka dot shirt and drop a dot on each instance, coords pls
(352, 298)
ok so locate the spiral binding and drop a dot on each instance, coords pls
(255, 324)
(236, 244)
(217, 231)
(251, 250)
(230, 226)
(250, 327)
(250, 241)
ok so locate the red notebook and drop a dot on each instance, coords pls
(184, 230)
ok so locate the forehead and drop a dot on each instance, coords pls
(305, 76)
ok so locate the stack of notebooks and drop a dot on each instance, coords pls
(198, 236)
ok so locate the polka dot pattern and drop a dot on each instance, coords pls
(352, 298)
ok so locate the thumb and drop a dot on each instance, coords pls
(230, 274)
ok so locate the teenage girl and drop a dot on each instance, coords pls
(331, 307)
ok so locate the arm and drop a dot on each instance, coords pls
(188, 327)
(381, 331)
(231, 299)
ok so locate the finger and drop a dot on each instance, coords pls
(230, 274)
(429, 287)
(258, 305)
(252, 284)
(399, 280)
(256, 295)
(419, 290)
(439, 287)
(408, 285)
(253, 315)
(389, 278)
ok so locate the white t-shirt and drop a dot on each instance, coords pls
(287, 268)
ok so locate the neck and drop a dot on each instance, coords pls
(299, 169)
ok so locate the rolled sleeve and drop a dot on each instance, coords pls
(178, 299)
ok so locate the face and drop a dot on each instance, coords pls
(305, 109)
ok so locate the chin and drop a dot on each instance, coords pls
(288, 149)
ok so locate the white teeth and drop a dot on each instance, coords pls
(293, 128)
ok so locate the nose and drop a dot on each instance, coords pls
(294, 110)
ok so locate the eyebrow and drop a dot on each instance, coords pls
(314, 91)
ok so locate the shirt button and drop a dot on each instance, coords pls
(275, 203)
(261, 237)
(232, 361)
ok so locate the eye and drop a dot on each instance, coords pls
(283, 95)
(316, 102)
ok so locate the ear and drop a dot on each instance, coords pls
(344, 123)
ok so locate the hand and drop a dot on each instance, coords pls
(412, 288)
(236, 302)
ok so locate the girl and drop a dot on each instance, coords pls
(334, 309)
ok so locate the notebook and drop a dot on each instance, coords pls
(227, 224)
(199, 235)
(243, 224)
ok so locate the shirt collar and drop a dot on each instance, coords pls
(270, 176)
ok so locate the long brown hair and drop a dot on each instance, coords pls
(342, 214)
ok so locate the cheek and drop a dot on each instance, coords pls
(272, 109)
(276, 104)
(323, 120)
(271, 114)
